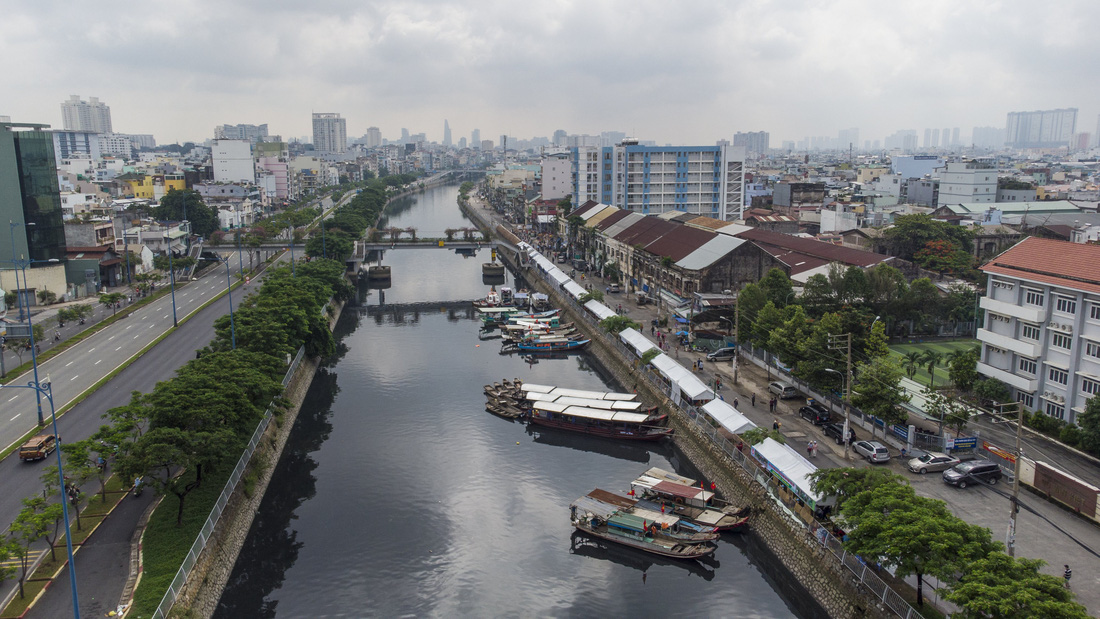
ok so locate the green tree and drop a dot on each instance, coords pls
(911, 363)
(590, 296)
(1089, 421)
(768, 319)
(82, 465)
(171, 460)
(910, 233)
(876, 390)
(615, 324)
(187, 204)
(962, 368)
(110, 299)
(8, 549)
(875, 345)
(845, 483)
(178, 263)
(915, 535)
(786, 341)
(931, 359)
(33, 523)
(991, 390)
(998, 586)
(777, 287)
(948, 410)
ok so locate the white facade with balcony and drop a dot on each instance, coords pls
(1042, 340)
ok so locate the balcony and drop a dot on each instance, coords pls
(1019, 382)
(1020, 347)
(1029, 313)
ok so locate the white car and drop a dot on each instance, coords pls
(874, 451)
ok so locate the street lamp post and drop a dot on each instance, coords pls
(229, 287)
(172, 280)
(46, 389)
(22, 264)
(324, 251)
(847, 409)
(292, 273)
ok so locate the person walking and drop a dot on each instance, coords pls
(1067, 575)
(775, 425)
(754, 400)
(810, 449)
(813, 448)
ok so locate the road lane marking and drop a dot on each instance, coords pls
(110, 338)
(98, 362)
(137, 336)
(129, 326)
(118, 349)
(68, 364)
(92, 350)
(151, 326)
(75, 376)
(12, 398)
(16, 417)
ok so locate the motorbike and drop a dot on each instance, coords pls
(139, 487)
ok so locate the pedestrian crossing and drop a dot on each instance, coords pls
(18, 564)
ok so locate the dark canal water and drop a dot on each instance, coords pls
(398, 495)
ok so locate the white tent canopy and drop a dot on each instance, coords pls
(637, 341)
(574, 289)
(691, 387)
(728, 416)
(599, 310)
(789, 463)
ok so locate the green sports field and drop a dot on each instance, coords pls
(944, 348)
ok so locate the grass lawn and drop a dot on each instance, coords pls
(944, 348)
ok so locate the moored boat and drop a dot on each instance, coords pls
(622, 425)
(609, 521)
(657, 488)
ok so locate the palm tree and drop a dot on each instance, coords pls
(931, 359)
(912, 363)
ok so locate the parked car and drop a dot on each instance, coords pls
(836, 432)
(614, 287)
(932, 461)
(722, 354)
(782, 389)
(815, 413)
(562, 258)
(38, 447)
(973, 472)
(874, 451)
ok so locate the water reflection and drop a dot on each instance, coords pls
(634, 451)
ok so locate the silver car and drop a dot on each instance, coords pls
(932, 461)
(874, 451)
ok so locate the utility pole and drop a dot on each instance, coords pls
(844, 342)
(1013, 504)
(736, 334)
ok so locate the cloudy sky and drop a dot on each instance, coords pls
(674, 72)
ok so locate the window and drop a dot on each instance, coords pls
(1094, 311)
(1058, 376)
(1090, 387)
(1060, 340)
(1027, 366)
(1066, 305)
(1033, 297)
(1027, 399)
(1092, 349)
(1055, 410)
(1030, 332)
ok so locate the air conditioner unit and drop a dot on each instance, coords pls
(1060, 398)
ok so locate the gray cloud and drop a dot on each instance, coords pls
(673, 72)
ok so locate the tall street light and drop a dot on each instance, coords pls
(30, 326)
(229, 287)
(46, 389)
(172, 279)
(847, 409)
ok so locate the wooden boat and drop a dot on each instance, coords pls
(606, 521)
(551, 344)
(508, 412)
(494, 299)
(692, 503)
(622, 425)
(660, 524)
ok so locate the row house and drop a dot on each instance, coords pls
(1041, 334)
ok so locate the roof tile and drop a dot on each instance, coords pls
(1049, 261)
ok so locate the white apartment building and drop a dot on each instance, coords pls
(91, 115)
(703, 180)
(966, 182)
(232, 161)
(374, 137)
(330, 133)
(1041, 334)
(556, 178)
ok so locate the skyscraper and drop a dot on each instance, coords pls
(374, 137)
(404, 135)
(755, 142)
(330, 133)
(1041, 129)
(252, 133)
(91, 115)
(475, 138)
(29, 194)
(446, 133)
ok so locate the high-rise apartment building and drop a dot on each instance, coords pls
(252, 133)
(69, 144)
(955, 137)
(404, 135)
(91, 115)
(475, 138)
(374, 137)
(232, 161)
(848, 138)
(755, 142)
(967, 182)
(330, 132)
(1041, 129)
(446, 133)
(704, 180)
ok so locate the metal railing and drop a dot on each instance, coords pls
(787, 502)
(180, 580)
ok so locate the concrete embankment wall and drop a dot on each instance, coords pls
(816, 573)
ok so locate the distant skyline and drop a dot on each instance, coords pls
(674, 73)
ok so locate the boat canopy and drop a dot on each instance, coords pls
(663, 475)
(580, 393)
(637, 341)
(636, 522)
(690, 386)
(615, 405)
(533, 388)
(612, 498)
(591, 413)
(789, 466)
(594, 507)
(497, 310)
(599, 310)
(652, 515)
(574, 289)
(673, 489)
(728, 416)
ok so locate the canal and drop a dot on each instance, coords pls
(398, 495)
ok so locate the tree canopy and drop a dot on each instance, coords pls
(187, 204)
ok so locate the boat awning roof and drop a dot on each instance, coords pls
(590, 413)
(595, 507)
(599, 310)
(615, 405)
(637, 341)
(580, 393)
(788, 463)
(728, 416)
(612, 498)
(682, 491)
(691, 387)
(652, 515)
(574, 289)
(638, 522)
(663, 475)
(534, 388)
(496, 310)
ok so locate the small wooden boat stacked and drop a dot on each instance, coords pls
(683, 496)
(619, 519)
(503, 399)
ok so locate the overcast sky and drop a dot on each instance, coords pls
(674, 72)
